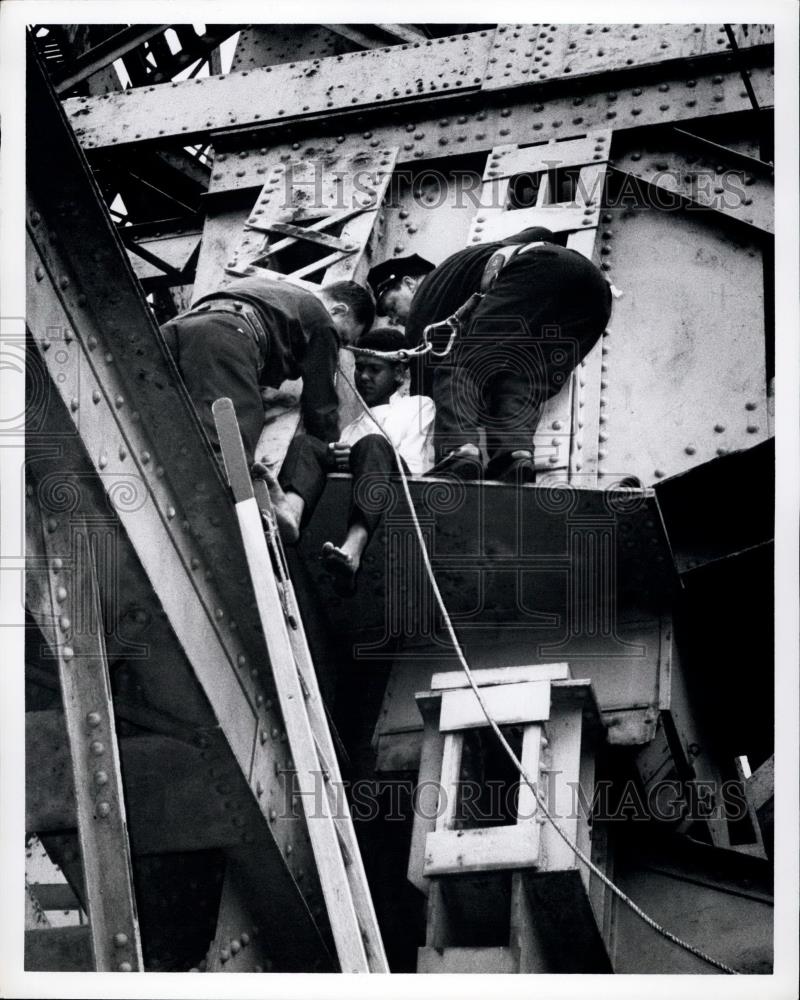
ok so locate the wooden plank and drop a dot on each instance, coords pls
(321, 830)
(448, 787)
(507, 704)
(426, 794)
(449, 852)
(502, 675)
(564, 735)
(91, 728)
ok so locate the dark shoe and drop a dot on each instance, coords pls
(519, 471)
(458, 467)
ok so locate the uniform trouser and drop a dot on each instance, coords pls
(523, 341)
(376, 488)
(217, 356)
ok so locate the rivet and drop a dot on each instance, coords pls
(263, 737)
(690, 449)
(120, 940)
(102, 461)
(170, 513)
(224, 955)
(61, 594)
(244, 937)
(235, 947)
(64, 623)
(103, 809)
(659, 473)
(96, 397)
(100, 777)
(259, 789)
(272, 815)
(719, 428)
(91, 343)
(145, 457)
(93, 719)
(67, 652)
(52, 524)
(752, 428)
(97, 747)
(750, 406)
(556, 425)
(125, 967)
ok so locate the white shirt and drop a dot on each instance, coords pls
(408, 423)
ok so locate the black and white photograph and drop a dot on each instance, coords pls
(398, 422)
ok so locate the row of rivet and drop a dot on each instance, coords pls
(537, 125)
(169, 509)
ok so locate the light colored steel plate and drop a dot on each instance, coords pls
(273, 93)
(684, 360)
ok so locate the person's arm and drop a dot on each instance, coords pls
(415, 443)
(319, 403)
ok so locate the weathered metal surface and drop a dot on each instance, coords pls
(266, 45)
(58, 949)
(504, 560)
(732, 924)
(239, 944)
(118, 386)
(715, 182)
(165, 781)
(720, 508)
(684, 361)
(414, 70)
(481, 122)
(73, 602)
(522, 53)
(175, 251)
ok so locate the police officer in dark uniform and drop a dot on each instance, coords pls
(543, 308)
(258, 332)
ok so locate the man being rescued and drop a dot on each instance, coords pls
(534, 309)
(391, 420)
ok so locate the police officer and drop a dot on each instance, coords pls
(542, 309)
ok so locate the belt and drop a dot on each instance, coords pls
(244, 311)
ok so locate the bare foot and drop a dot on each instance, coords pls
(286, 515)
(342, 566)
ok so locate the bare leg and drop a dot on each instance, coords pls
(343, 561)
(288, 507)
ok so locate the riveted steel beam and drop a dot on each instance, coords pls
(522, 53)
(483, 122)
(412, 72)
(72, 600)
(707, 176)
(110, 380)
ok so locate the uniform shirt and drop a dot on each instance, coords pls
(303, 343)
(408, 422)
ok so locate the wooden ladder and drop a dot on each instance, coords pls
(330, 827)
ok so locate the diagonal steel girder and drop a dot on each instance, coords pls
(106, 376)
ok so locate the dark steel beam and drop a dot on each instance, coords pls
(110, 379)
(106, 53)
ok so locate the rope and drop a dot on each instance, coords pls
(504, 742)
